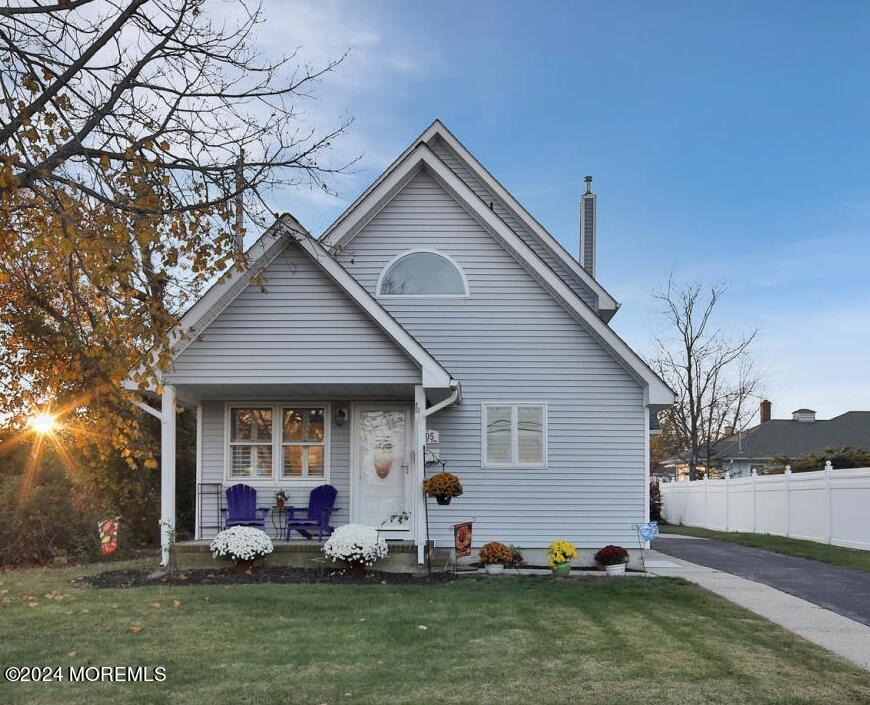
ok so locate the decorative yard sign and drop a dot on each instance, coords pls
(462, 539)
(108, 535)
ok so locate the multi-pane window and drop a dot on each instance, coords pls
(514, 435)
(251, 442)
(277, 441)
(303, 442)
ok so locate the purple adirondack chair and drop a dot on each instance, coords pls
(241, 509)
(321, 502)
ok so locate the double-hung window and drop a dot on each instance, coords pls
(275, 441)
(251, 442)
(514, 435)
(303, 442)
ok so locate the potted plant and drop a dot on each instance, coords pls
(280, 498)
(559, 556)
(613, 558)
(443, 486)
(357, 546)
(242, 545)
(495, 556)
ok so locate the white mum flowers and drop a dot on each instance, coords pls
(355, 543)
(241, 543)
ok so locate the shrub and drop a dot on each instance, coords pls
(495, 553)
(560, 552)
(241, 543)
(442, 484)
(355, 544)
(516, 557)
(611, 555)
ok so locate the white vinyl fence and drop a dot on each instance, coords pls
(829, 506)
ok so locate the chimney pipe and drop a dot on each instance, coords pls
(764, 411)
(588, 221)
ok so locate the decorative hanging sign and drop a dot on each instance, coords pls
(462, 539)
(108, 535)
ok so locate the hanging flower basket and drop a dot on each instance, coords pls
(443, 486)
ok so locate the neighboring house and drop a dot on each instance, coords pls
(434, 303)
(757, 448)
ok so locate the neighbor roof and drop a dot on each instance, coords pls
(795, 438)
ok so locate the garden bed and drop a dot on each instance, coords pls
(283, 574)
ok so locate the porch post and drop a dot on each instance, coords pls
(419, 469)
(167, 471)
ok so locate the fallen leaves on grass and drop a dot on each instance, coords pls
(135, 630)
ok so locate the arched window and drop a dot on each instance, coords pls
(422, 273)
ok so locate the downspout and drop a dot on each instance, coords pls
(454, 397)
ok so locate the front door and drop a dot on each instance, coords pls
(382, 465)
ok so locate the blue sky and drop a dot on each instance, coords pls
(729, 143)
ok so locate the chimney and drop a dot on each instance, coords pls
(803, 416)
(764, 412)
(588, 218)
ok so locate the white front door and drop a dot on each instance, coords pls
(382, 465)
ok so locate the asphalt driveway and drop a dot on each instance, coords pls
(841, 590)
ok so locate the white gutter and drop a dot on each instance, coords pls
(454, 397)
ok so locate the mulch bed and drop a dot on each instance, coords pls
(208, 576)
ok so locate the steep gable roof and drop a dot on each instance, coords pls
(422, 157)
(505, 205)
(263, 252)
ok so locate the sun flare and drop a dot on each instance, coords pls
(43, 423)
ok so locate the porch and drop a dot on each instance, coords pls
(367, 443)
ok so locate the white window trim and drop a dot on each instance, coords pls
(514, 464)
(277, 407)
(423, 250)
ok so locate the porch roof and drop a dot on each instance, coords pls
(191, 394)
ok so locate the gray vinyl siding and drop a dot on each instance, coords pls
(449, 157)
(512, 341)
(296, 326)
(213, 469)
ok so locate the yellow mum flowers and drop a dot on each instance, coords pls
(560, 552)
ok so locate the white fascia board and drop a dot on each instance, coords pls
(216, 298)
(339, 231)
(605, 300)
(434, 375)
(423, 157)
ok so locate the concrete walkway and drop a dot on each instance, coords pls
(832, 631)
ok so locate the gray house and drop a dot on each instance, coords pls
(435, 322)
(758, 447)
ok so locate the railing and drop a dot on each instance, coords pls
(828, 506)
(209, 502)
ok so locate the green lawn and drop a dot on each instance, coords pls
(836, 555)
(507, 640)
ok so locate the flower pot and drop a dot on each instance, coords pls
(493, 568)
(618, 569)
(243, 567)
(443, 500)
(563, 570)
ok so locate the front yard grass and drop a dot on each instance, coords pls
(505, 640)
(835, 555)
